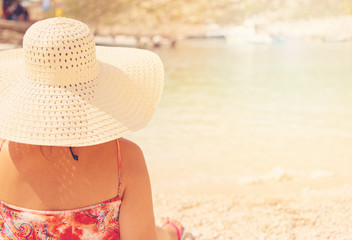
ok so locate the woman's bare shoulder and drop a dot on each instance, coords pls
(129, 148)
(132, 158)
(131, 153)
(127, 143)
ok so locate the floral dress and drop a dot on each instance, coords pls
(100, 221)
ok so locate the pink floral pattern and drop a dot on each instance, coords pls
(100, 221)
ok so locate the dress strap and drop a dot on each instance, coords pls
(120, 166)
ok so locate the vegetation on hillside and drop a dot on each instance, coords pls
(154, 13)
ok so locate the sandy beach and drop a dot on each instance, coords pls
(309, 214)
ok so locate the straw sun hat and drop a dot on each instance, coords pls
(62, 90)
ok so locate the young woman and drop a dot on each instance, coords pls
(65, 170)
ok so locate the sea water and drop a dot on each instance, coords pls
(251, 118)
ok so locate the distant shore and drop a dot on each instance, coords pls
(333, 29)
(324, 28)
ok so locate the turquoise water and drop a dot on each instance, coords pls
(250, 116)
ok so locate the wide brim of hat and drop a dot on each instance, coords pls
(120, 100)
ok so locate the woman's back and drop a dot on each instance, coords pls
(71, 198)
(48, 178)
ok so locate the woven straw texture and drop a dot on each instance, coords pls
(62, 90)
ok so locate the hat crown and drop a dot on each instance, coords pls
(59, 51)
